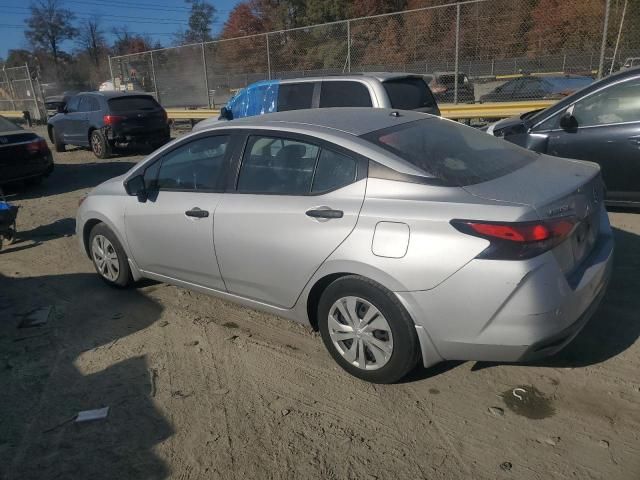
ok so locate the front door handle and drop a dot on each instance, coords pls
(196, 213)
(325, 213)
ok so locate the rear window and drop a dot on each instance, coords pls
(7, 126)
(454, 153)
(409, 94)
(126, 104)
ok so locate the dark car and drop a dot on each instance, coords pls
(104, 120)
(442, 84)
(537, 88)
(24, 156)
(600, 123)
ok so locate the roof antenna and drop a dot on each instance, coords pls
(395, 113)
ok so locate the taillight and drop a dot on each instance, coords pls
(38, 146)
(518, 240)
(111, 120)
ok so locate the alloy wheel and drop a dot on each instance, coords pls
(96, 144)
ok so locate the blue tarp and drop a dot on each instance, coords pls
(257, 99)
(5, 205)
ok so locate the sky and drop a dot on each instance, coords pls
(159, 18)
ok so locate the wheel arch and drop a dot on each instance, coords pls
(332, 271)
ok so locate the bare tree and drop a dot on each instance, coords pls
(48, 26)
(91, 40)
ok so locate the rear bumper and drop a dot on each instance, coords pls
(512, 311)
(22, 170)
(139, 136)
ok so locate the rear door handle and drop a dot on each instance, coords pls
(325, 213)
(197, 213)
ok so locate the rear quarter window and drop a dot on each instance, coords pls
(127, 104)
(295, 96)
(455, 154)
(344, 94)
(409, 94)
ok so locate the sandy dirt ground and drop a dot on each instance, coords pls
(199, 388)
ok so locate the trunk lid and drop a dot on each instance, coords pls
(555, 187)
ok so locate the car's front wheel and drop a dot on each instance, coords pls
(108, 257)
(367, 330)
(100, 146)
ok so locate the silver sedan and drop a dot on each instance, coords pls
(400, 236)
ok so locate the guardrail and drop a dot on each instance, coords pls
(11, 114)
(448, 110)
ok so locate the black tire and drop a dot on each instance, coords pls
(406, 347)
(57, 141)
(123, 278)
(100, 146)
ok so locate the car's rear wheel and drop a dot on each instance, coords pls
(108, 257)
(100, 146)
(57, 141)
(367, 330)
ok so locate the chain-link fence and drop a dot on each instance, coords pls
(19, 92)
(473, 50)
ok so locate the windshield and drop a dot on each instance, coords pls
(7, 126)
(409, 94)
(454, 153)
(125, 104)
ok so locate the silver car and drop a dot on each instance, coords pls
(400, 236)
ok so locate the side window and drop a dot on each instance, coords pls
(344, 94)
(95, 106)
(295, 96)
(85, 104)
(72, 104)
(197, 165)
(616, 104)
(277, 165)
(334, 170)
(508, 88)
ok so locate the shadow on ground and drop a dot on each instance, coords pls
(69, 177)
(616, 324)
(43, 388)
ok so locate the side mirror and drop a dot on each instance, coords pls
(226, 114)
(135, 186)
(568, 122)
(61, 109)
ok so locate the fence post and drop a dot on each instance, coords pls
(206, 77)
(268, 59)
(10, 89)
(493, 64)
(455, 82)
(33, 92)
(113, 82)
(564, 62)
(153, 76)
(603, 47)
(615, 50)
(349, 46)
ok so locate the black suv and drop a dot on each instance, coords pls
(104, 120)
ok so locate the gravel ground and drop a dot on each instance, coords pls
(199, 388)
